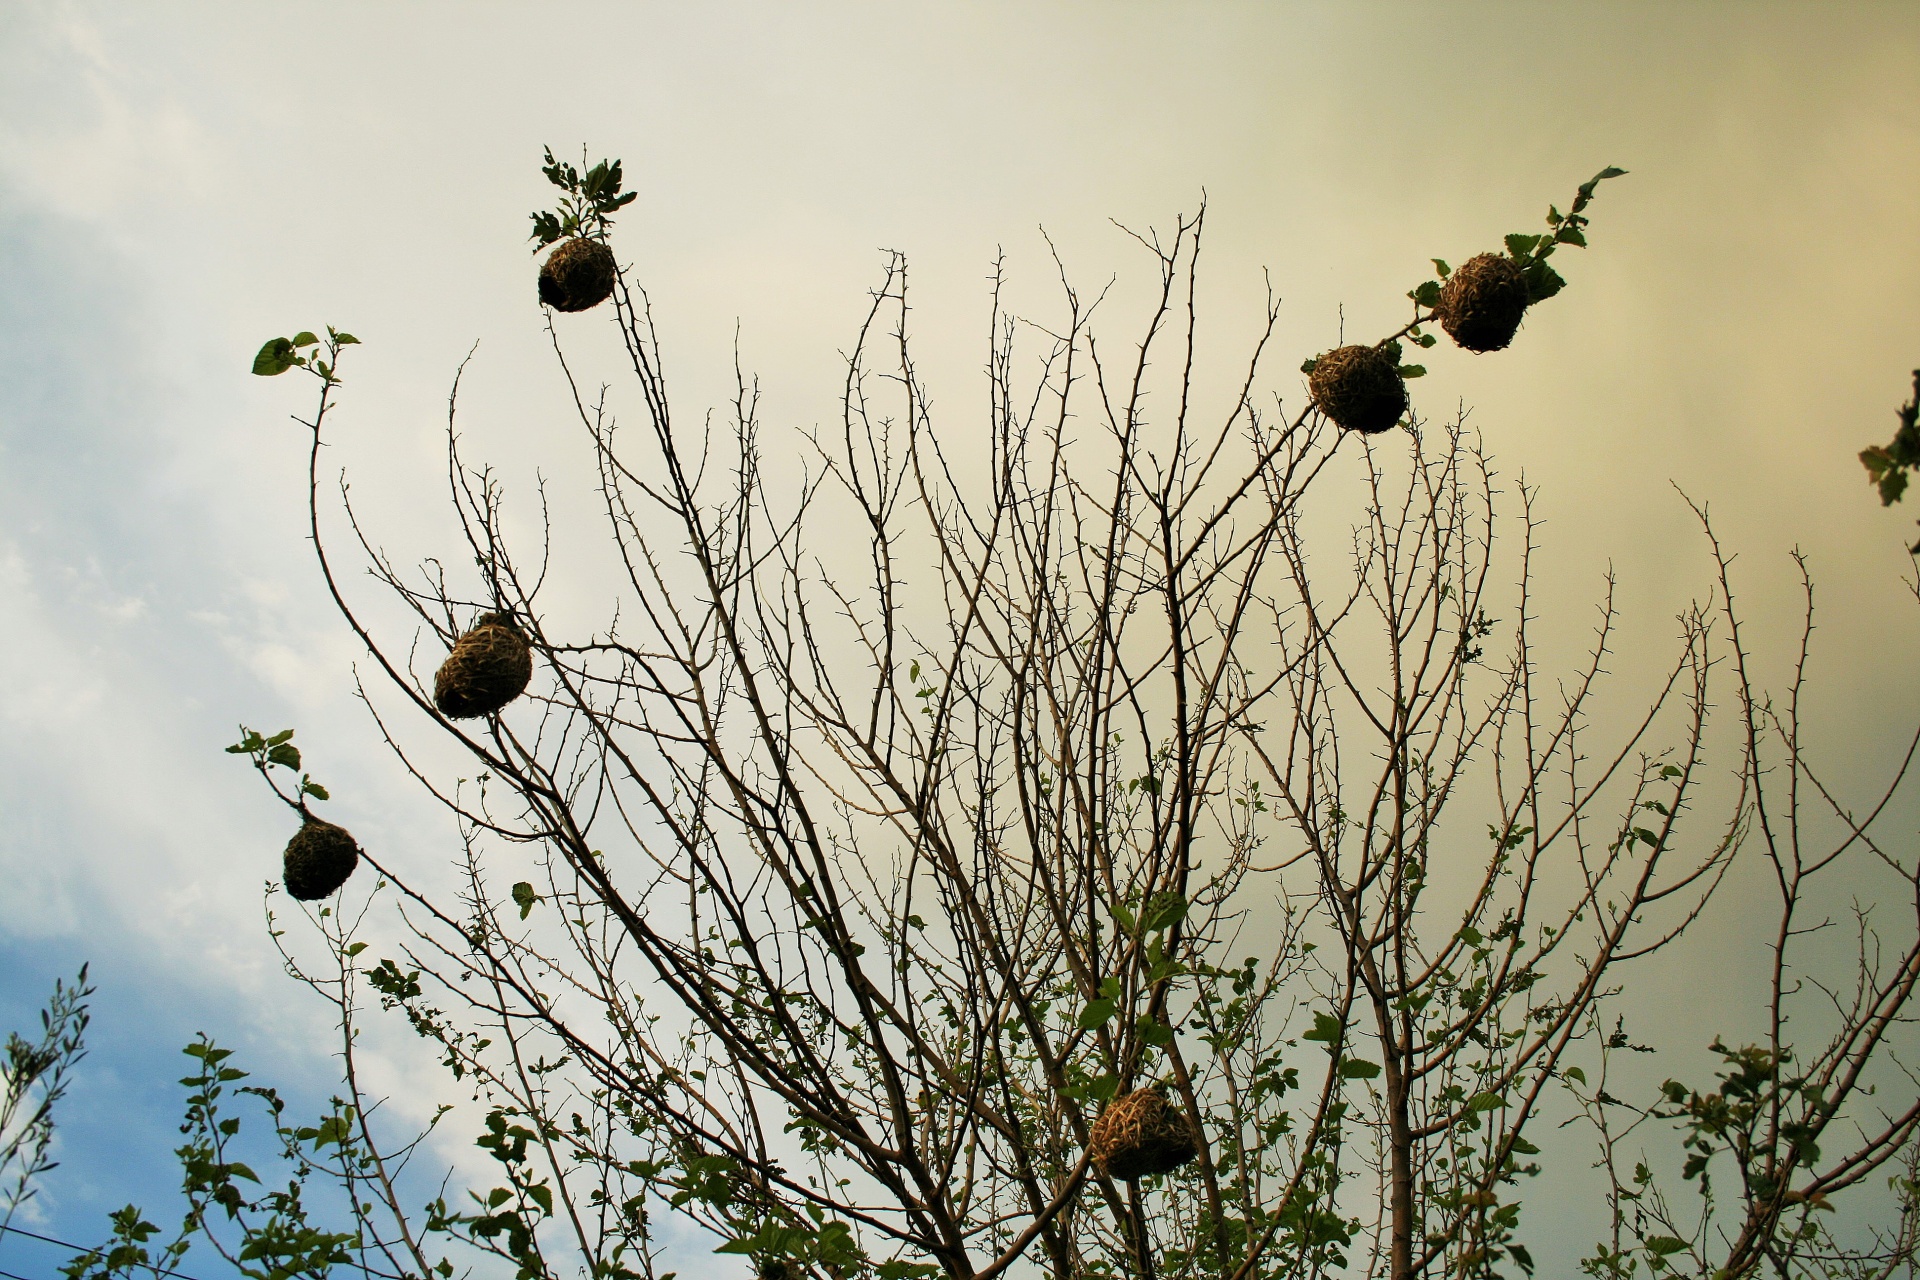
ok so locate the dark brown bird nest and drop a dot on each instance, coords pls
(578, 274)
(1142, 1134)
(488, 668)
(1482, 302)
(1360, 388)
(318, 860)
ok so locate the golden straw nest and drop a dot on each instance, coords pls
(1360, 388)
(578, 274)
(318, 860)
(1482, 302)
(1142, 1134)
(488, 668)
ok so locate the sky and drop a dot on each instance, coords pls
(179, 183)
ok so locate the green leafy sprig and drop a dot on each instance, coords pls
(1887, 465)
(1530, 251)
(281, 354)
(586, 207)
(278, 750)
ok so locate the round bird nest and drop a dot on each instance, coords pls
(1360, 388)
(578, 274)
(318, 860)
(1142, 1134)
(1482, 302)
(488, 668)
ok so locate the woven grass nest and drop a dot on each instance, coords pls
(1482, 302)
(578, 274)
(1360, 388)
(318, 860)
(1142, 1134)
(488, 668)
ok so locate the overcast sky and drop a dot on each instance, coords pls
(180, 182)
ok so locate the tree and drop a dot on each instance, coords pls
(33, 1078)
(926, 806)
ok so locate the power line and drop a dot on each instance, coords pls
(78, 1249)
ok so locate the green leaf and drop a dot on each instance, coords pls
(1442, 268)
(275, 358)
(1570, 235)
(342, 339)
(1520, 247)
(1484, 1101)
(1326, 1029)
(1892, 487)
(285, 735)
(525, 897)
(332, 1131)
(1586, 188)
(1542, 282)
(305, 338)
(1096, 1014)
(1154, 1033)
(1661, 1246)
(1306, 366)
(1165, 911)
(1413, 371)
(1426, 293)
(901, 1269)
(284, 754)
(308, 787)
(1358, 1069)
(1575, 1074)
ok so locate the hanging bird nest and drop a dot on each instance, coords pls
(488, 668)
(1482, 302)
(779, 1269)
(318, 860)
(578, 274)
(1360, 388)
(1142, 1134)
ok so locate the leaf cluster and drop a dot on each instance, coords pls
(35, 1078)
(587, 205)
(277, 355)
(1532, 251)
(277, 751)
(1887, 465)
